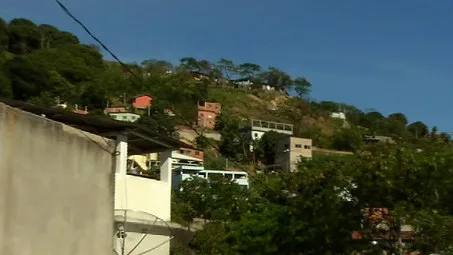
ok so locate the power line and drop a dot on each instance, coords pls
(66, 10)
(126, 67)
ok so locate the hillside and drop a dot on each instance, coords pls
(43, 65)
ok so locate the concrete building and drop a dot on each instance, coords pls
(291, 150)
(338, 115)
(207, 114)
(125, 116)
(258, 128)
(56, 186)
(199, 154)
(243, 82)
(377, 139)
(79, 200)
(182, 157)
(121, 113)
(186, 172)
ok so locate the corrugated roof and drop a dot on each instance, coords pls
(140, 139)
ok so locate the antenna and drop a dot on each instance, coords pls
(140, 233)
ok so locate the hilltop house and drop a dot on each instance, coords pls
(243, 82)
(121, 113)
(199, 76)
(377, 139)
(125, 116)
(207, 114)
(338, 115)
(142, 101)
(258, 128)
(289, 151)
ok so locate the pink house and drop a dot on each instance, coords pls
(207, 114)
(142, 101)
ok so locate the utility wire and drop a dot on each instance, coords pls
(63, 7)
(128, 69)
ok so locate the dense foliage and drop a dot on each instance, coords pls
(316, 210)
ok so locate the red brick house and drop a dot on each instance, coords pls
(199, 154)
(142, 101)
(207, 114)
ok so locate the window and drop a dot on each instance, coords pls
(181, 151)
(229, 176)
(240, 176)
(256, 135)
(307, 147)
(124, 117)
(197, 153)
(299, 145)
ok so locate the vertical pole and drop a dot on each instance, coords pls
(121, 155)
(166, 176)
(165, 166)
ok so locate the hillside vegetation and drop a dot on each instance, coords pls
(41, 64)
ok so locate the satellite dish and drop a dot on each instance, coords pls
(140, 233)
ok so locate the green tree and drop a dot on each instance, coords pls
(248, 70)
(347, 139)
(159, 121)
(276, 78)
(266, 147)
(27, 79)
(374, 121)
(158, 66)
(227, 68)
(190, 64)
(396, 124)
(302, 86)
(4, 38)
(51, 37)
(232, 143)
(205, 67)
(418, 129)
(5, 86)
(24, 36)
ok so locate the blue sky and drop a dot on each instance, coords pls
(388, 55)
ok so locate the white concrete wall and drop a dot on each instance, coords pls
(56, 188)
(143, 195)
(148, 204)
